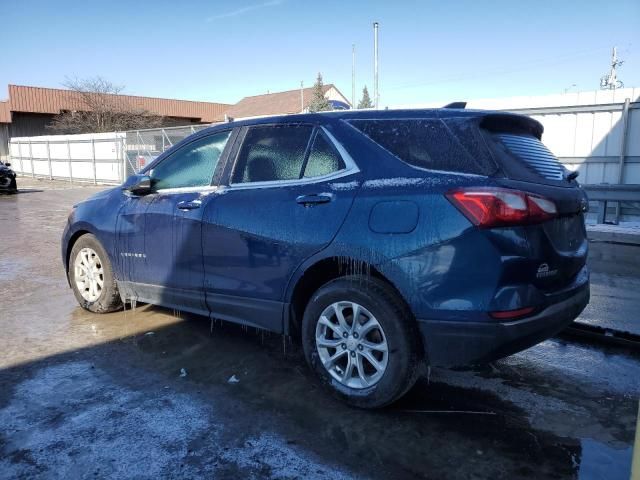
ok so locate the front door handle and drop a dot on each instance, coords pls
(192, 205)
(314, 199)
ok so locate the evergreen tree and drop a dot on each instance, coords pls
(318, 101)
(366, 99)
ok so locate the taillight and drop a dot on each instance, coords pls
(489, 207)
(511, 314)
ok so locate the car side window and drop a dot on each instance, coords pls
(323, 158)
(191, 166)
(272, 153)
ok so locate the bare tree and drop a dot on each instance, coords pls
(98, 107)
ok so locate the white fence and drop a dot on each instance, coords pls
(96, 157)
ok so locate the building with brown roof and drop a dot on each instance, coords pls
(29, 110)
(280, 103)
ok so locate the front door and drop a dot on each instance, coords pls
(278, 210)
(169, 268)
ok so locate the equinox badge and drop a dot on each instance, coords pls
(544, 271)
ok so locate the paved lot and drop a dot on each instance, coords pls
(84, 395)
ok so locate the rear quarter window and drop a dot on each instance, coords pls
(426, 143)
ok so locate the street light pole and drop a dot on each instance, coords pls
(376, 93)
(353, 75)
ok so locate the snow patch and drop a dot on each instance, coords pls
(281, 460)
(73, 420)
(344, 186)
(622, 227)
(398, 182)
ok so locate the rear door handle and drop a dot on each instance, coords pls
(314, 199)
(191, 205)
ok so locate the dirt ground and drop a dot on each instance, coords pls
(146, 393)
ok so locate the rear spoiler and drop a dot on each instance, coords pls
(459, 105)
(513, 123)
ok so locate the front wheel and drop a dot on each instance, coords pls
(361, 340)
(91, 276)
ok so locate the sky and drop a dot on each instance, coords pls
(224, 50)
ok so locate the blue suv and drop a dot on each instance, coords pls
(384, 240)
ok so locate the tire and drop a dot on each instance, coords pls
(373, 299)
(103, 298)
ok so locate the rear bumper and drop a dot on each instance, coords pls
(449, 343)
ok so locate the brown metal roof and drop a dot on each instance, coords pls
(278, 103)
(53, 100)
(5, 112)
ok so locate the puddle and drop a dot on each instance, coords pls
(11, 267)
(599, 461)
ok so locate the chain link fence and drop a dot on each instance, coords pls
(143, 146)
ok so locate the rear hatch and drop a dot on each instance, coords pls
(506, 148)
(559, 245)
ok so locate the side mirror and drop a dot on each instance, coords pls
(7, 164)
(137, 184)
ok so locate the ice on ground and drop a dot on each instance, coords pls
(622, 227)
(121, 432)
(73, 421)
(272, 454)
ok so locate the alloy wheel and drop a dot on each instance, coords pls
(88, 274)
(352, 345)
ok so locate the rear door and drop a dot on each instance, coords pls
(277, 211)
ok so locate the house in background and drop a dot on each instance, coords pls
(280, 103)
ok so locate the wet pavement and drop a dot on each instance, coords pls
(84, 395)
(615, 302)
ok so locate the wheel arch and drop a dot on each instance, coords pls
(310, 278)
(72, 241)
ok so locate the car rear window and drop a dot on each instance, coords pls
(425, 143)
(533, 153)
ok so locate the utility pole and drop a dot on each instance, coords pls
(610, 81)
(301, 96)
(353, 75)
(376, 93)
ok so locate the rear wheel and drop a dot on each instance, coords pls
(359, 338)
(91, 276)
